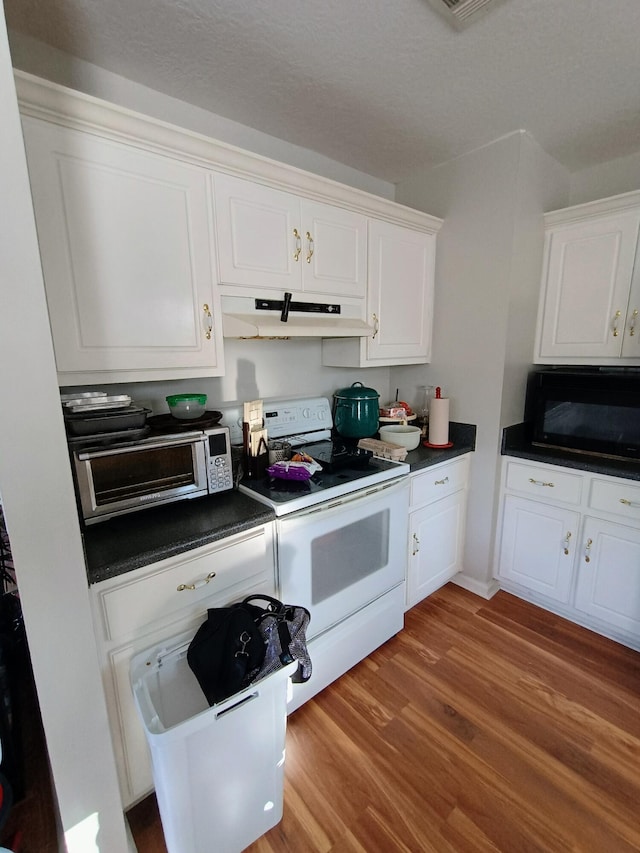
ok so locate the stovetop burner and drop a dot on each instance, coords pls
(335, 455)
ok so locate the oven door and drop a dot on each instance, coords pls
(337, 558)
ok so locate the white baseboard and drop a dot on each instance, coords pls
(485, 589)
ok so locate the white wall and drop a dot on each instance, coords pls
(607, 179)
(259, 369)
(42, 521)
(487, 282)
(52, 64)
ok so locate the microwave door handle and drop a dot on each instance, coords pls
(153, 445)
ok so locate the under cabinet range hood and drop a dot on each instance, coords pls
(245, 317)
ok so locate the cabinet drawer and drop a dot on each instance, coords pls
(439, 482)
(543, 481)
(620, 498)
(218, 574)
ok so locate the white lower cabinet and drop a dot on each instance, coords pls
(570, 541)
(436, 527)
(537, 546)
(608, 578)
(139, 609)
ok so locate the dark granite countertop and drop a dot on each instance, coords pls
(516, 442)
(463, 438)
(131, 541)
(122, 544)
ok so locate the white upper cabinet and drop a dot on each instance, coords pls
(590, 296)
(399, 301)
(400, 295)
(269, 239)
(146, 230)
(126, 250)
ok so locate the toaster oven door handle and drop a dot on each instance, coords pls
(187, 438)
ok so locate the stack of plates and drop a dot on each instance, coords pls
(93, 401)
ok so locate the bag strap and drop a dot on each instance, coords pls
(274, 602)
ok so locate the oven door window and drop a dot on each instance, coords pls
(121, 476)
(349, 554)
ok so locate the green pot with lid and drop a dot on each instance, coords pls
(356, 411)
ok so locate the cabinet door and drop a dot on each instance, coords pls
(631, 338)
(260, 240)
(436, 539)
(586, 283)
(537, 546)
(335, 250)
(608, 585)
(126, 252)
(400, 293)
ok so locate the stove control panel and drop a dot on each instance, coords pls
(306, 418)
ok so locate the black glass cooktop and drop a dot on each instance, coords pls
(343, 471)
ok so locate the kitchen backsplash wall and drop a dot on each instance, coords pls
(262, 369)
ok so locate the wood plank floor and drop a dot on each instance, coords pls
(483, 726)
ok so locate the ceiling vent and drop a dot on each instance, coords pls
(460, 13)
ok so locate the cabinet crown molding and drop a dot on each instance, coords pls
(52, 102)
(592, 209)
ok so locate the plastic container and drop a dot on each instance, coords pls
(218, 771)
(187, 406)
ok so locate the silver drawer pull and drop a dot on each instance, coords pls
(441, 482)
(181, 587)
(416, 545)
(629, 503)
(541, 483)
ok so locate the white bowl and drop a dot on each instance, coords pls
(406, 436)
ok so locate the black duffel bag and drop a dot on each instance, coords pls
(226, 652)
(245, 642)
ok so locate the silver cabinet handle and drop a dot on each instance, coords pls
(441, 482)
(183, 586)
(628, 502)
(376, 327)
(566, 542)
(541, 483)
(310, 246)
(416, 545)
(587, 551)
(632, 322)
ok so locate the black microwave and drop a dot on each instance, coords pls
(586, 410)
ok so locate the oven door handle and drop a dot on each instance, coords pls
(351, 498)
(187, 438)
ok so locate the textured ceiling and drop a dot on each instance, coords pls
(384, 87)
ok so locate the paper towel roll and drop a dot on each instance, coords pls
(439, 421)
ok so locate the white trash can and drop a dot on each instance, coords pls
(218, 771)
